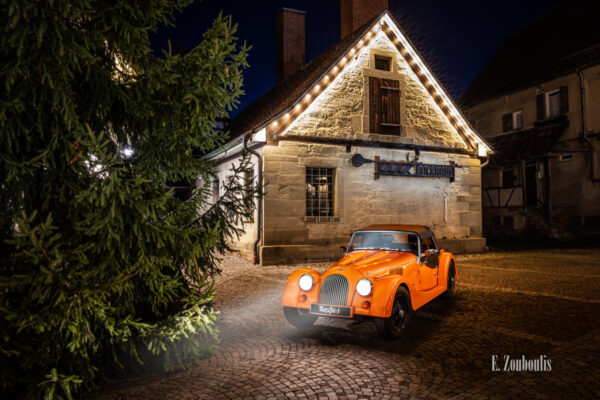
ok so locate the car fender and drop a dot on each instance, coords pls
(382, 300)
(292, 294)
(445, 260)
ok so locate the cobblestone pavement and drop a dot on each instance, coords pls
(532, 303)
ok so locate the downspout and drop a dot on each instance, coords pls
(256, 257)
(584, 135)
(549, 192)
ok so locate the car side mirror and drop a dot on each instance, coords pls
(429, 252)
(343, 249)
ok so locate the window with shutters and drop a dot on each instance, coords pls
(517, 118)
(384, 106)
(512, 121)
(552, 104)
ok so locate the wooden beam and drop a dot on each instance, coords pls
(376, 144)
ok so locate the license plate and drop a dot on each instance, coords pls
(331, 311)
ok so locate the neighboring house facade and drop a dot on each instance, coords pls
(363, 134)
(538, 104)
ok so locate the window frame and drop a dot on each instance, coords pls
(565, 157)
(408, 233)
(216, 188)
(555, 92)
(381, 58)
(514, 120)
(322, 172)
(510, 118)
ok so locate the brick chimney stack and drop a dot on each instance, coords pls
(290, 43)
(356, 13)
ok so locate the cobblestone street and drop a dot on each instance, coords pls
(534, 303)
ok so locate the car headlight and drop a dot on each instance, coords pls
(364, 287)
(306, 282)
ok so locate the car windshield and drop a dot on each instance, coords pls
(384, 240)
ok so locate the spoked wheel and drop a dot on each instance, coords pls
(397, 324)
(451, 284)
(299, 317)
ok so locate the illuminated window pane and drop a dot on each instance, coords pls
(319, 192)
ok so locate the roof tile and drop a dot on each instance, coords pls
(554, 44)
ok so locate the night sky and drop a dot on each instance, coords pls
(456, 38)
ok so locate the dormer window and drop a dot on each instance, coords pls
(383, 63)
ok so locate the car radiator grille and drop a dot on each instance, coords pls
(334, 290)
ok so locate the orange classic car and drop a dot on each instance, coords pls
(387, 272)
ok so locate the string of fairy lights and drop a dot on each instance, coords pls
(441, 98)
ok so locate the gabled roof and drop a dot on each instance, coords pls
(555, 44)
(290, 98)
(285, 94)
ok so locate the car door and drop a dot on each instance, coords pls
(429, 265)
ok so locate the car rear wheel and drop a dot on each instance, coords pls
(299, 317)
(451, 283)
(397, 324)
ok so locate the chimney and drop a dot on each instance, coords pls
(290, 47)
(356, 13)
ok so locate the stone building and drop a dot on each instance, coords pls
(363, 134)
(538, 104)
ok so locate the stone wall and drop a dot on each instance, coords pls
(244, 244)
(452, 209)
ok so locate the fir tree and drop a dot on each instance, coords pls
(103, 269)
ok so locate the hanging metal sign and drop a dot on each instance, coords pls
(413, 168)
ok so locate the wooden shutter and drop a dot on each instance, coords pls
(564, 100)
(507, 122)
(541, 107)
(384, 103)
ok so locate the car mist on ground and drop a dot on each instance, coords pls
(516, 304)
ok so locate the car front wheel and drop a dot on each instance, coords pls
(299, 317)
(396, 325)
